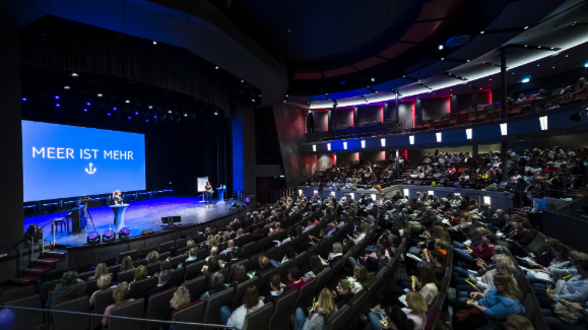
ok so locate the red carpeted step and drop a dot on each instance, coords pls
(35, 272)
(47, 262)
(55, 254)
(24, 280)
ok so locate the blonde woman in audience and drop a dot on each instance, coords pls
(104, 283)
(120, 295)
(101, 269)
(152, 257)
(417, 309)
(318, 315)
(127, 264)
(180, 300)
(140, 274)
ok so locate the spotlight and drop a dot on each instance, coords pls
(526, 27)
(169, 111)
(24, 99)
(242, 81)
(56, 97)
(146, 120)
(373, 79)
(88, 103)
(114, 109)
(93, 238)
(252, 100)
(150, 107)
(136, 113)
(216, 113)
(155, 117)
(109, 113)
(440, 47)
(99, 95)
(525, 80)
(481, 32)
(124, 233)
(185, 115)
(154, 42)
(66, 87)
(586, 65)
(129, 117)
(57, 105)
(74, 74)
(85, 110)
(216, 67)
(108, 235)
(127, 101)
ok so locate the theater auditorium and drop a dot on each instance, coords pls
(288, 165)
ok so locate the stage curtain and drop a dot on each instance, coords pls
(70, 46)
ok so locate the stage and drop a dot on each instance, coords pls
(138, 217)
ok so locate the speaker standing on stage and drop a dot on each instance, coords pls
(116, 197)
(208, 193)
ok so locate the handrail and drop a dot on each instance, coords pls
(116, 317)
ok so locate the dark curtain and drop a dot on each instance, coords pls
(65, 45)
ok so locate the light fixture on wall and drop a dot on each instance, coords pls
(487, 200)
(411, 139)
(363, 144)
(439, 135)
(431, 193)
(383, 141)
(329, 146)
(314, 147)
(405, 192)
(503, 129)
(345, 145)
(543, 123)
(469, 133)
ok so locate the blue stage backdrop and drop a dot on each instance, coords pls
(62, 161)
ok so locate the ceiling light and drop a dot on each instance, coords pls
(373, 79)
(216, 113)
(127, 101)
(169, 111)
(57, 97)
(552, 48)
(525, 80)
(242, 81)
(537, 64)
(150, 107)
(252, 100)
(567, 55)
(586, 65)
(468, 60)
(154, 42)
(216, 67)
(440, 47)
(136, 113)
(539, 47)
(24, 99)
(481, 32)
(109, 113)
(88, 103)
(553, 67)
(65, 87)
(185, 115)
(114, 108)
(526, 27)
(526, 46)
(74, 74)
(99, 95)
(442, 58)
(286, 95)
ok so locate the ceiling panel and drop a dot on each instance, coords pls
(307, 76)
(395, 50)
(439, 9)
(370, 62)
(419, 32)
(339, 72)
(433, 69)
(108, 14)
(154, 22)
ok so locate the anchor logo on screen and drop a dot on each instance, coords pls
(92, 169)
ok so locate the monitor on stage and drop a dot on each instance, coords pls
(61, 161)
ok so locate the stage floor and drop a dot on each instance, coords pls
(138, 217)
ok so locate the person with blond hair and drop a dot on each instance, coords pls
(180, 299)
(127, 264)
(518, 322)
(140, 274)
(496, 306)
(417, 309)
(101, 269)
(319, 313)
(264, 265)
(152, 257)
(120, 296)
(251, 303)
(104, 283)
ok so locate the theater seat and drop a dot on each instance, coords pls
(192, 313)
(259, 319)
(134, 309)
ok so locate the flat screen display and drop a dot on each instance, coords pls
(61, 161)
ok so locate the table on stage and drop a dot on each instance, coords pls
(221, 194)
(119, 216)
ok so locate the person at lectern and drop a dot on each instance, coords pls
(116, 197)
(208, 193)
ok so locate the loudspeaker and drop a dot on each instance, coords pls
(147, 231)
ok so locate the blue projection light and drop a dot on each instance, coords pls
(62, 161)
